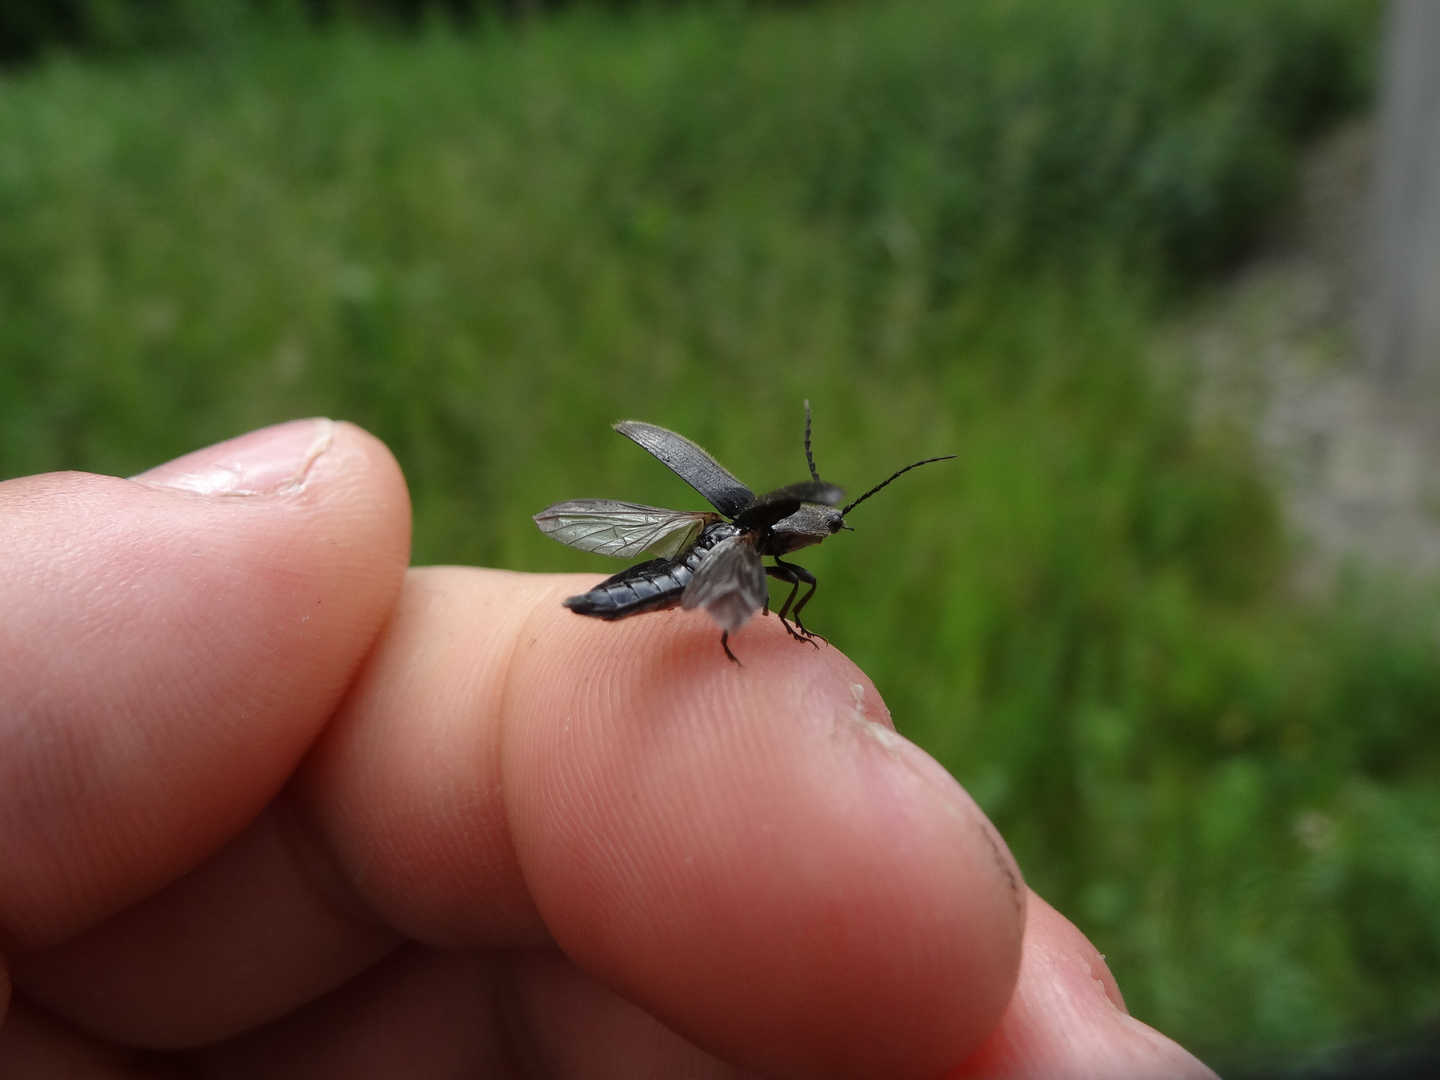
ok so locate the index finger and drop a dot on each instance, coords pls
(751, 854)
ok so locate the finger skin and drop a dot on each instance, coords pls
(239, 941)
(1067, 1020)
(405, 787)
(749, 853)
(439, 1013)
(421, 1014)
(34, 1046)
(166, 658)
(442, 1013)
(574, 1028)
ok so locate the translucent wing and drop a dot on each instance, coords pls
(622, 529)
(729, 584)
(691, 464)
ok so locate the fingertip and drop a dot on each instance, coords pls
(751, 852)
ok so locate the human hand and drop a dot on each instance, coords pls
(276, 807)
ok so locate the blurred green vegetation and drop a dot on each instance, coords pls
(31, 28)
(954, 227)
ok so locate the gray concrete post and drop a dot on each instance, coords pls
(1401, 282)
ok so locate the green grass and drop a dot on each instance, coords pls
(954, 227)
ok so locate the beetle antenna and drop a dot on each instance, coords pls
(893, 476)
(809, 459)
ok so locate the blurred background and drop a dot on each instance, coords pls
(1169, 616)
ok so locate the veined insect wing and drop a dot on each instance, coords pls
(622, 529)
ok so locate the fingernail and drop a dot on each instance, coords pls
(270, 461)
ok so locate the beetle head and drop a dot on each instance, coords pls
(808, 525)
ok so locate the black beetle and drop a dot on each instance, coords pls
(705, 560)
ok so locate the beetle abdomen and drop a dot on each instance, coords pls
(650, 586)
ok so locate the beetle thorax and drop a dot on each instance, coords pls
(808, 525)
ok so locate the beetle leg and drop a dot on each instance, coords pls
(795, 576)
(803, 575)
(725, 644)
(781, 572)
(796, 613)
